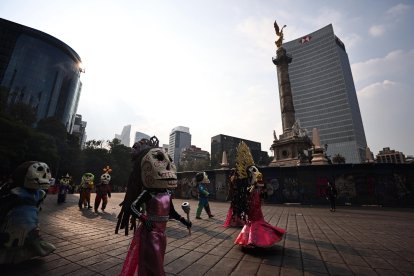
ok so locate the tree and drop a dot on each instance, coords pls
(54, 127)
(114, 143)
(121, 164)
(66, 153)
(4, 92)
(23, 113)
(42, 147)
(338, 159)
(94, 144)
(94, 160)
(13, 144)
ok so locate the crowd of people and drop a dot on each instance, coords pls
(146, 208)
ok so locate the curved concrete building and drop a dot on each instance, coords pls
(39, 70)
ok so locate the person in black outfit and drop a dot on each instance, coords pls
(331, 194)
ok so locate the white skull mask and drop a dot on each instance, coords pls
(158, 170)
(255, 177)
(64, 181)
(105, 178)
(204, 180)
(38, 176)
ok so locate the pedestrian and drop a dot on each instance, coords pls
(202, 180)
(331, 194)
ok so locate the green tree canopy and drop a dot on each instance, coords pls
(13, 144)
(22, 112)
(54, 127)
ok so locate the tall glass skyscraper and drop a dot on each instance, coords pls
(324, 94)
(41, 71)
(180, 139)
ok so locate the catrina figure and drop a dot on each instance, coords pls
(153, 175)
(256, 232)
(20, 238)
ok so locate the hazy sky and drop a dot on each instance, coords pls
(207, 65)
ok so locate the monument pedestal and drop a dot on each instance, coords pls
(319, 158)
(318, 155)
(288, 150)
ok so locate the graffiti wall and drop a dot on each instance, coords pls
(187, 185)
(357, 184)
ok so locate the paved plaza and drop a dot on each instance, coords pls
(351, 241)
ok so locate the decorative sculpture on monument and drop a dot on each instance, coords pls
(279, 33)
(297, 130)
(274, 135)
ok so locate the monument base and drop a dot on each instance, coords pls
(319, 158)
(289, 150)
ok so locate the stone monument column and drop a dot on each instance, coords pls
(289, 149)
(282, 61)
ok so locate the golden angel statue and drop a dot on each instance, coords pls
(279, 33)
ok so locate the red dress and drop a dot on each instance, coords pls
(232, 219)
(257, 232)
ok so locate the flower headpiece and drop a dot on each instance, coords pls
(107, 169)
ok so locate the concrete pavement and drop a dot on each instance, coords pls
(351, 241)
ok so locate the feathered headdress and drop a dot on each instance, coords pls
(107, 169)
(244, 159)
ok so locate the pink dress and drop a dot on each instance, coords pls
(147, 249)
(257, 232)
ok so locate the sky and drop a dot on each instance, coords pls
(207, 65)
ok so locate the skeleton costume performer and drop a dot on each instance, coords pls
(20, 238)
(85, 189)
(64, 185)
(256, 232)
(153, 175)
(202, 180)
(236, 216)
(103, 191)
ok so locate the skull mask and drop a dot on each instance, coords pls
(37, 176)
(105, 178)
(65, 180)
(202, 177)
(87, 180)
(255, 177)
(158, 170)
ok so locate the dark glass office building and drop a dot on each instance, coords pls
(220, 143)
(324, 94)
(39, 70)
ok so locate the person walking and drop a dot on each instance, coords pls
(331, 194)
(202, 180)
